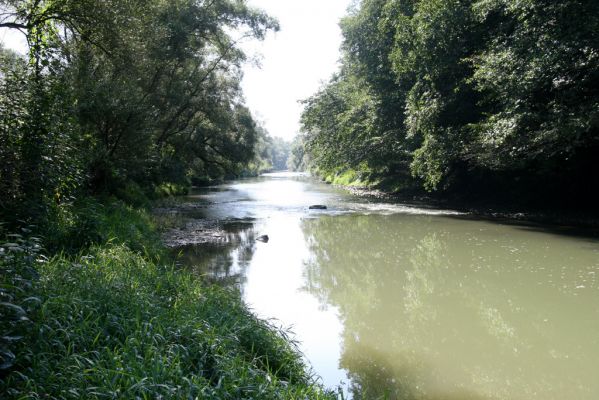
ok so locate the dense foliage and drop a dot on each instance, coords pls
(298, 159)
(116, 95)
(480, 98)
(272, 153)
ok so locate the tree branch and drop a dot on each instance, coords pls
(165, 132)
(13, 25)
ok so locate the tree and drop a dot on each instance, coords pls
(125, 92)
(298, 158)
(464, 94)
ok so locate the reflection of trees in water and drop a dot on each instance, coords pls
(381, 280)
(427, 313)
(374, 375)
(223, 262)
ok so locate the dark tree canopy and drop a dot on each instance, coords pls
(119, 94)
(463, 97)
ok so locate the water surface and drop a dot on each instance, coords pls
(410, 303)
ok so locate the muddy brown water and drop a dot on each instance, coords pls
(393, 301)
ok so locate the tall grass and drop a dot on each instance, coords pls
(112, 322)
(89, 221)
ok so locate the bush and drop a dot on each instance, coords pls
(168, 189)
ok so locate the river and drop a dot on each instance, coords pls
(405, 302)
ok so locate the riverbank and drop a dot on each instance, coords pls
(117, 319)
(480, 208)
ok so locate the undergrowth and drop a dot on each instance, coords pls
(114, 321)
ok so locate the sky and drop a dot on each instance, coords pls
(13, 39)
(294, 62)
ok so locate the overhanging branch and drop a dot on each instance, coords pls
(13, 25)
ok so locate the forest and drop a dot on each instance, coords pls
(472, 100)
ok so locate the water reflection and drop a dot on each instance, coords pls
(438, 308)
(223, 261)
(409, 303)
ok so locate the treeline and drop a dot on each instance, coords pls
(477, 100)
(298, 159)
(122, 97)
(272, 153)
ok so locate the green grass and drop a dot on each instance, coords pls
(76, 226)
(114, 322)
(348, 177)
(170, 189)
(368, 178)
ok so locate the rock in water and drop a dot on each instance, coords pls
(317, 207)
(263, 238)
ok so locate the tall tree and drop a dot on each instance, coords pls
(117, 91)
(491, 97)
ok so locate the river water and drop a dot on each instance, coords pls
(398, 302)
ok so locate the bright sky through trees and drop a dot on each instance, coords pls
(294, 61)
(13, 39)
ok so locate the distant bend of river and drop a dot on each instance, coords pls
(408, 303)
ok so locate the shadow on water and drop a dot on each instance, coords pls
(581, 229)
(447, 308)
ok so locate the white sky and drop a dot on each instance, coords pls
(13, 39)
(294, 62)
